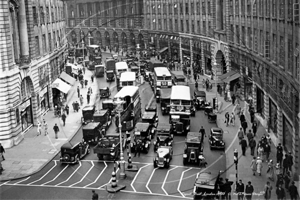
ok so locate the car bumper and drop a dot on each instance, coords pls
(67, 161)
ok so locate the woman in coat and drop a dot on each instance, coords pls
(253, 165)
(268, 190)
(259, 165)
(260, 151)
(271, 171)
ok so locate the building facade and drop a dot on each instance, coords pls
(259, 39)
(32, 55)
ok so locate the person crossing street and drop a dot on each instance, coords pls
(63, 117)
(56, 130)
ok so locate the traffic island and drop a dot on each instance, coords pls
(114, 188)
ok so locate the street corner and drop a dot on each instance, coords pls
(114, 189)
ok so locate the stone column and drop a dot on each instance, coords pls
(254, 96)
(279, 125)
(169, 47)
(219, 15)
(180, 49)
(191, 63)
(202, 57)
(23, 31)
(295, 153)
(266, 109)
(242, 83)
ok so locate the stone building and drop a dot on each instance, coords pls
(252, 45)
(31, 56)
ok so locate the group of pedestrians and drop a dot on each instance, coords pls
(41, 126)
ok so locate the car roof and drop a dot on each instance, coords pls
(91, 125)
(88, 108)
(216, 129)
(162, 126)
(101, 112)
(193, 137)
(199, 93)
(68, 145)
(165, 93)
(206, 180)
(163, 150)
(141, 126)
(148, 115)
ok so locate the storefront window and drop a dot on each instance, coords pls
(287, 135)
(17, 116)
(273, 117)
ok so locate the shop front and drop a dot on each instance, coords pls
(44, 99)
(287, 131)
(60, 90)
(272, 116)
(207, 58)
(26, 114)
(259, 101)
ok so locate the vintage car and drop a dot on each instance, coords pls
(179, 79)
(103, 116)
(151, 118)
(193, 151)
(200, 100)
(212, 117)
(71, 154)
(207, 110)
(165, 95)
(216, 139)
(109, 105)
(163, 157)
(180, 124)
(92, 132)
(110, 76)
(142, 135)
(108, 148)
(104, 92)
(87, 114)
(164, 136)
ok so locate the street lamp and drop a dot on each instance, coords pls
(119, 103)
(139, 62)
(236, 161)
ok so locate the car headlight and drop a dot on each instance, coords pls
(169, 143)
(188, 128)
(156, 158)
(152, 131)
(146, 145)
(157, 96)
(154, 143)
(163, 108)
(199, 157)
(165, 159)
(184, 155)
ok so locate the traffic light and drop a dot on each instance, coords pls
(235, 156)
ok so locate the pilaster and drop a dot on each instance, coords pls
(169, 47)
(23, 33)
(266, 106)
(279, 125)
(295, 153)
(180, 50)
(242, 83)
(202, 56)
(254, 96)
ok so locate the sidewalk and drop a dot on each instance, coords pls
(34, 152)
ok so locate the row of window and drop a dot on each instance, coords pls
(102, 22)
(43, 15)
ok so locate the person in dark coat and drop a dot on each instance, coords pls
(203, 134)
(252, 145)
(267, 150)
(92, 78)
(249, 191)
(95, 195)
(293, 191)
(245, 126)
(63, 117)
(2, 151)
(287, 179)
(252, 115)
(138, 148)
(227, 118)
(233, 99)
(285, 164)
(249, 136)
(243, 144)
(242, 117)
(240, 189)
(78, 91)
(56, 130)
(279, 154)
(227, 189)
(67, 109)
(88, 97)
(254, 128)
(290, 161)
(280, 192)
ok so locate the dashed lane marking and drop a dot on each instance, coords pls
(150, 180)
(137, 176)
(163, 185)
(55, 163)
(178, 187)
(22, 180)
(70, 175)
(98, 175)
(108, 181)
(56, 175)
(83, 176)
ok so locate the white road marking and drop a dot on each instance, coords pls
(57, 175)
(108, 181)
(5, 183)
(150, 100)
(178, 188)
(164, 182)
(98, 175)
(83, 176)
(155, 194)
(21, 180)
(70, 175)
(150, 180)
(137, 176)
(44, 174)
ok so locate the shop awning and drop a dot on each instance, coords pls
(163, 49)
(67, 78)
(231, 78)
(61, 85)
(228, 74)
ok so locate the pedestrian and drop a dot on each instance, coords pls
(83, 69)
(78, 91)
(252, 145)
(277, 170)
(240, 189)
(279, 154)
(249, 191)
(138, 148)
(290, 161)
(88, 98)
(242, 117)
(45, 126)
(196, 85)
(39, 128)
(280, 180)
(67, 109)
(81, 100)
(241, 134)
(77, 107)
(85, 83)
(95, 195)
(268, 191)
(90, 90)
(293, 191)
(243, 144)
(271, 171)
(259, 166)
(227, 189)
(245, 126)
(233, 99)
(232, 119)
(202, 131)
(2, 151)
(287, 179)
(280, 193)
(249, 136)
(268, 139)
(92, 78)
(260, 151)
(226, 118)
(73, 104)
(82, 83)
(285, 164)
(63, 117)
(254, 128)
(267, 150)
(253, 165)
(56, 130)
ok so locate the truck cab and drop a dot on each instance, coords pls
(71, 154)
(151, 118)
(87, 114)
(142, 137)
(103, 116)
(164, 136)
(108, 148)
(193, 150)
(92, 132)
(180, 124)
(206, 185)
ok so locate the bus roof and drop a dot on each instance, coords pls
(180, 92)
(93, 46)
(99, 66)
(127, 76)
(121, 65)
(126, 91)
(162, 71)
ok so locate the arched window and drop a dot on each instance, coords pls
(72, 11)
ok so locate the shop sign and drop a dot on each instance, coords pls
(24, 105)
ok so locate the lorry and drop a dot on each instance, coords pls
(110, 65)
(193, 151)
(155, 63)
(92, 132)
(99, 70)
(108, 148)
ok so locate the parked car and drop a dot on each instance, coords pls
(216, 138)
(71, 154)
(163, 157)
(87, 114)
(104, 92)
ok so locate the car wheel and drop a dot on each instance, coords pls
(100, 157)
(168, 165)
(154, 164)
(184, 161)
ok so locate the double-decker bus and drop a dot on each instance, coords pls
(180, 108)
(127, 79)
(162, 79)
(131, 108)
(121, 67)
(95, 57)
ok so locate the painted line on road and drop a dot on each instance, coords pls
(22, 180)
(108, 181)
(4, 183)
(178, 188)
(164, 182)
(155, 194)
(83, 176)
(150, 100)
(150, 180)
(98, 175)
(137, 176)
(70, 175)
(55, 163)
(57, 175)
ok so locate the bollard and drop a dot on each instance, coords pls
(113, 179)
(129, 162)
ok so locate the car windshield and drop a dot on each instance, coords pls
(68, 151)
(217, 135)
(103, 91)
(160, 133)
(193, 145)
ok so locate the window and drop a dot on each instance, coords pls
(281, 9)
(165, 25)
(176, 25)
(182, 26)
(290, 10)
(37, 46)
(290, 54)
(158, 9)
(44, 44)
(170, 9)
(210, 32)
(48, 14)
(153, 9)
(208, 8)
(230, 7)
(187, 26)
(50, 42)
(248, 7)
(186, 8)
(35, 15)
(261, 41)
(267, 45)
(274, 48)
(193, 27)
(254, 9)
(42, 14)
(204, 28)
(170, 24)
(199, 27)
(274, 8)
(192, 9)
(231, 33)
(243, 42)
(249, 38)
(255, 33)
(281, 43)
(243, 7)
(267, 6)
(175, 9)
(237, 32)
(297, 62)
(236, 7)
(54, 39)
(203, 8)
(159, 24)
(181, 8)
(198, 8)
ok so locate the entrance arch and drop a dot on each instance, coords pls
(116, 40)
(25, 110)
(73, 38)
(107, 39)
(98, 38)
(141, 41)
(132, 40)
(124, 41)
(220, 61)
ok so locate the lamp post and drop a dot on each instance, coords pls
(118, 102)
(139, 62)
(236, 161)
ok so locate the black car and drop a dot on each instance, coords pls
(216, 138)
(200, 100)
(87, 114)
(71, 154)
(104, 92)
